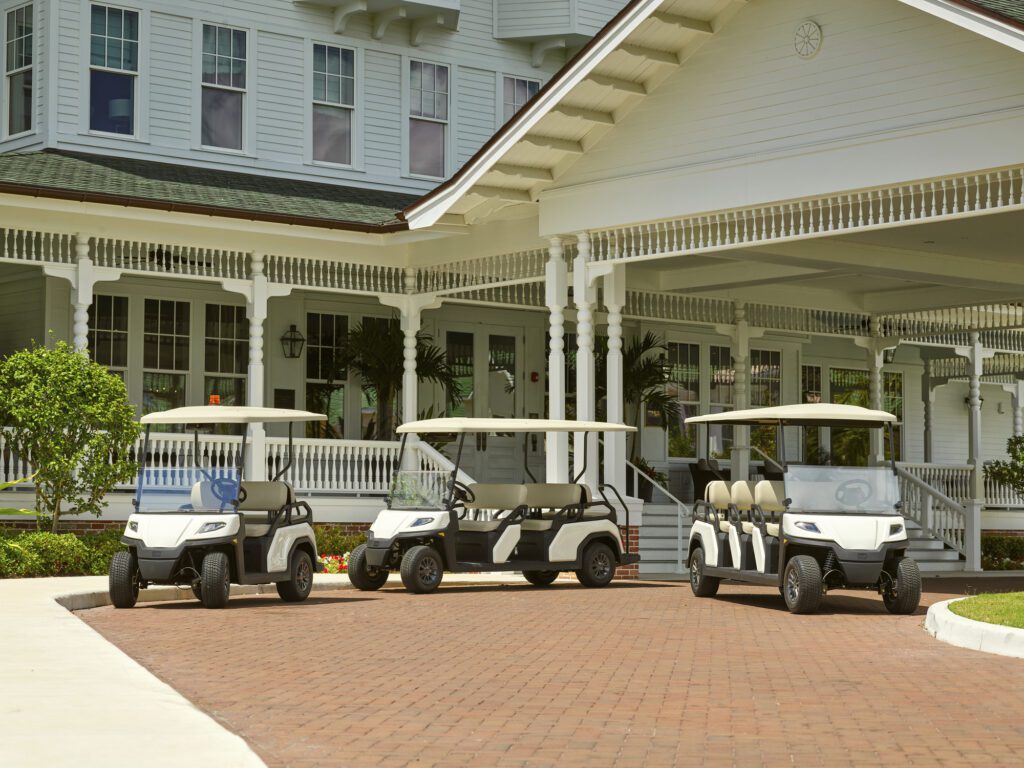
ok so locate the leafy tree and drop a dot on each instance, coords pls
(375, 350)
(1009, 473)
(73, 419)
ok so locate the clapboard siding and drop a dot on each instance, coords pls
(592, 15)
(170, 80)
(477, 110)
(21, 309)
(531, 18)
(281, 34)
(949, 422)
(745, 95)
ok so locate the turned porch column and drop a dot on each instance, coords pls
(585, 298)
(928, 400)
(615, 442)
(875, 348)
(556, 294)
(256, 309)
(740, 333)
(976, 355)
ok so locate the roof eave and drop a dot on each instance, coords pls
(974, 18)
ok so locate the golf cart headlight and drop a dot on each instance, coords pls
(421, 521)
(133, 525)
(803, 525)
(208, 527)
(895, 528)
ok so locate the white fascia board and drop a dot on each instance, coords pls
(428, 213)
(981, 24)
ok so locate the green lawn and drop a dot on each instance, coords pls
(1006, 609)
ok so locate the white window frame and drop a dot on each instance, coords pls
(6, 112)
(407, 117)
(357, 163)
(499, 112)
(122, 370)
(136, 134)
(192, 346)
(248, 93)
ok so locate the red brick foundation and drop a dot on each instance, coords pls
(629, 571)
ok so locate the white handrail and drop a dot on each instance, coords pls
(936, 513)
(431, 458)
(681, 509)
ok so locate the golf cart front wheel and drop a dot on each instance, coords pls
(363, 576)
(598, 565)
(701, 584)
(422, 569)
(904, 593)
(216, 580)
(300, 578)
(540, 578)
(801, 584)
(124, 580)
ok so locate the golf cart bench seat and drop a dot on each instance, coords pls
(549, 499)
(491, 497)
(265, 497)
(719, 496)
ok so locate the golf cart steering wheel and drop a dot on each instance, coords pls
(461, 492)
(223, 488)
(854, 493)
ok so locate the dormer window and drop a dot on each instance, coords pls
(113, 69)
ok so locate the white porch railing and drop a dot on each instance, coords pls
(936, 512)
(952, 480)
(999, 496)
(357, 467)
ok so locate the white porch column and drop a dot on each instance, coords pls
(1016, 390)
(976, 355)
(556, 293)
(740, 334)
(81, 294)
(256, 310)
(411, 320)
(876, 348)
(615, 442)
(585, 297)
(928, 400)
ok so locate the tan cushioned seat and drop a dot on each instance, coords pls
(555, 495)
(773, 529)
(742, 493)
(265, 496)
(724, 526)
(717, 494)
(479, 525)
(497, 496)
(770, 496)
(748, 527)
(536, 525)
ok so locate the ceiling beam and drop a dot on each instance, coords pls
(683, 22)
(618, 84)
(587, 115)
(738, 274)
(522, 172)
(501, 193)
(551, 142)
(650, 54)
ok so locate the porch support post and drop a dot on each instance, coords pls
(615, 442)
(1016, 390)
(876, 348)
(556, 294)
(83, 276)
(740, 334)
(585, 297)
(976, 355)
(928, 399)
(256, 309)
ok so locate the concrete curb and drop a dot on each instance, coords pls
(942, 624)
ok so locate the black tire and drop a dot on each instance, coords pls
(540, 578)
(422, 569)
(905, 596)
(216, 580)
(363, 576)
(701, 584)
(197, 590)
(300, 578)
(598, 565)
(124, 580)
(801, 584)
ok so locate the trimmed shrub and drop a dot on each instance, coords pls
(331, 540)
(1002, 553)
(40, 553)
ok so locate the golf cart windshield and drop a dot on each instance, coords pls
(191, 489)
(414, 490)
(853, 490)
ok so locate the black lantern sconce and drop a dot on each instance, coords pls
(292, 343)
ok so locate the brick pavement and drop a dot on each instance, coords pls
(637, 674)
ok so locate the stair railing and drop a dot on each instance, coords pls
(682, 511)
(938, 515)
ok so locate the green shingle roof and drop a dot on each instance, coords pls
(125, 181)
(1011, 9)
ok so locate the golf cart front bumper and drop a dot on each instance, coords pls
(162, 564)
(378, 551)
(861, 568)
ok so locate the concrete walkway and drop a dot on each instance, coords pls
(70, 698)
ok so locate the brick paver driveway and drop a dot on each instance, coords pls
(633, 675)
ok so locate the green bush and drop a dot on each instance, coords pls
(41, 553)
(331, 540)
(1002, 553)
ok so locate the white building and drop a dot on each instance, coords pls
(803, 198)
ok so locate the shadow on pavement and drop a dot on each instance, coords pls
(251, 601)
(833, 604)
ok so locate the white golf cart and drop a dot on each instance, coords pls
(435, 523)
(819, 528)
(206, 527)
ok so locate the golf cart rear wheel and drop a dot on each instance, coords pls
(363, 576)
(216, 580)
(904, 594)
(598, 565)
(701, 584)
(422, 569)
(540, 578)
(300, 578)
(801, 584)
(124, 580)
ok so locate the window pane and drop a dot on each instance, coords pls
(333, 89)
(162, 391)
(209, 38)
(111, 102)
(238, 44)
(131, 25)
(348, 62)
(441, 106)
(113, 53)
(113, 22)
(332, 134)
(20, 102)
(319, 86)
(459, 351)
(333, 61)
(416, 75)
(222, 118)
(426, 148)
(130, 56)
(348, 91)
(223, 41)
(98, 24)
(319, 58)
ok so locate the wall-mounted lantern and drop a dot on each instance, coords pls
(292, 343)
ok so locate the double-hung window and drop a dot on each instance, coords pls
(516, 92)
(224, 82)
(226, 353)
(113, 69)
(18, 70)
(165, 354)
(108, 332)
(428, 118)
(325, 384)
(334, 99)
(683, 387)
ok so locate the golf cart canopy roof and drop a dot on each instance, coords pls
(802, 415)
(228, 414)
(467, 425)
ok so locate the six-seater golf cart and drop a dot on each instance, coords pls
(207, 527)
(435, 523)
(821, 528)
